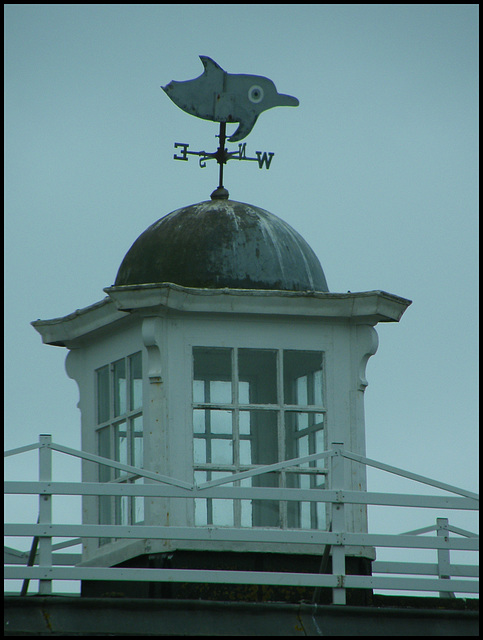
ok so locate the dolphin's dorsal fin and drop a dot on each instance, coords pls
(210, 65)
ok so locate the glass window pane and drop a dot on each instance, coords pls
(199, 450)
(223, 513)
(213, 364)
(304, 433)
(122, 515)
(304, 481)
(103, 399)
(303, 447)
(244, 423)
(106, 507)
(198, 390)
(201, 512)
(245, 452)
(301, 514)
(243, 392)
(320, 507)
(221, 510)
(105, 503)
(246, 513)
(221, 451)
(201, 504)
(263, 429)
(200, 477)
(308, 515)
(199, 424)
(138, 505)
(302, 377)
(291, 429)
(136, 378)
(119, 379)
(318, 420)
(220, 391)
(220, 421)
(104, 449)
(137, 432)
(320, 482)
(246, 506)
(258, 368)
(266, 512)
(305, 515)
(319, 443)
(301, 391)
(264, 450)
(301, 420)
(121, 444)
(321, 515)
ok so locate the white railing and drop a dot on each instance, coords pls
(448, 578)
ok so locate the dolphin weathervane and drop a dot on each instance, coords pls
(225, 98)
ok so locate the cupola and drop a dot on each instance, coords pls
(219, 357)
(219, 351)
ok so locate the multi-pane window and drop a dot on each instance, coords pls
(120, 434)
(255, 407)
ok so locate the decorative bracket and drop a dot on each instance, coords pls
(149, 334)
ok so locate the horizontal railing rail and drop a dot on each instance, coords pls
(423, 568)
(232, 534)
(240, 577)
(267, 493)
(47, 564)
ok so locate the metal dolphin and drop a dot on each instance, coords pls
(226, 97)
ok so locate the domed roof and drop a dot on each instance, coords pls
(223, 243)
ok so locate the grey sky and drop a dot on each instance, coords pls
(377, 169)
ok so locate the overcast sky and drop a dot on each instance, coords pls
(377, 169)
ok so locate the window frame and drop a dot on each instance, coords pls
(313, 471)
(120, 509)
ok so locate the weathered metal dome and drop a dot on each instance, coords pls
(222, 243)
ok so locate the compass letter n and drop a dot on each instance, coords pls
(242, 151)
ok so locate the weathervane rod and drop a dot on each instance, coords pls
(221, 152)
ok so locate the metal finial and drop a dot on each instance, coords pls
(224, 97)
(220, 193)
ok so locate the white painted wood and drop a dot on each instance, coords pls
(45, 511)
(52, 565)
(239, 577)
(310, 495)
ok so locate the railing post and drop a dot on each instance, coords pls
(45, 512)
(444, 563)
(338, 522)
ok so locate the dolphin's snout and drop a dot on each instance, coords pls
(287, 101)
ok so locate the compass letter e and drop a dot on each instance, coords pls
(184, 151)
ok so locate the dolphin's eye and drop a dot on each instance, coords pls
(255, 93)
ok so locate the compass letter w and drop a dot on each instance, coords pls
(264, 158)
